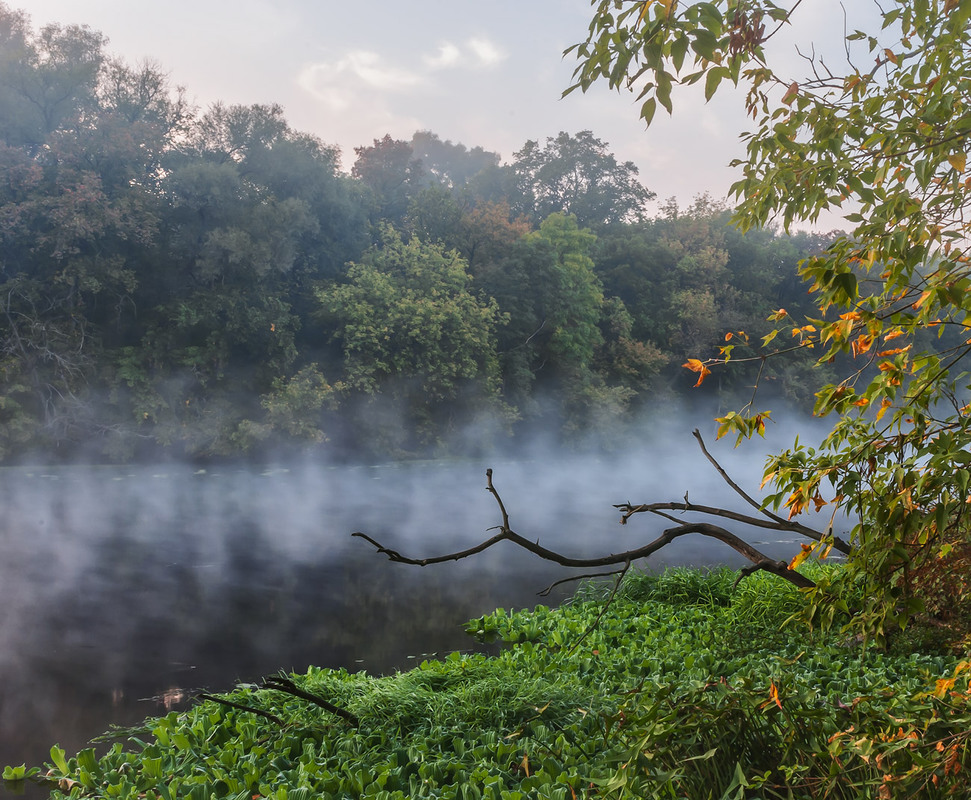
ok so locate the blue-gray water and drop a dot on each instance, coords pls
(122, 590)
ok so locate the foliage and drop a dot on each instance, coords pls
(686, 686)
(577, 175)
(160, 267)
(409, 327)
(883, 139)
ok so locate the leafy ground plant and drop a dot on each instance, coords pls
(687, 686)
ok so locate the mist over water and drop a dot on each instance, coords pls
(124, 590)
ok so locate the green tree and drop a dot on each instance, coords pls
(79, 209)
(451, 165)
(392, 174)
(412, 332)
(577, 175)
(883, 138)
(256, 215)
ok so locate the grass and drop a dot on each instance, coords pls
(688, 686)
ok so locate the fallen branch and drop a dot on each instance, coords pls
(287, 686)
(241, 707)
(507, 534)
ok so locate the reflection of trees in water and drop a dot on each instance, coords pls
(132, 596)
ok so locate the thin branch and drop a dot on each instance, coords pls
(241, 707)
(287, 686)
(583, 577)
(593, 625)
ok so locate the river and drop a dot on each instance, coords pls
(125, 590)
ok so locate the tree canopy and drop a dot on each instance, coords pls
(882, 139)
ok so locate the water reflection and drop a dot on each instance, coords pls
(125, 590)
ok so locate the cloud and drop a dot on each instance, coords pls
(337, 83)
(486, 52)
(475, 53)
(448, 56)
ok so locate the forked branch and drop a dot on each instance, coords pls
(767, 520)
(506, 534)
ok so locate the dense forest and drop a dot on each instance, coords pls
(210, 283)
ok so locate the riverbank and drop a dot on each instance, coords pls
(685, 687)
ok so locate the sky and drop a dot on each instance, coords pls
(486, 73)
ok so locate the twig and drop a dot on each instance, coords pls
(593, 625)
(240, 707)
(289, 687)
(572, 578)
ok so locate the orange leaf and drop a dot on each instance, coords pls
(801, 556)
(921, 300)
(696, 365)
(791, 93)
(774, 694)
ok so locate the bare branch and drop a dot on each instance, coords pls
(282, 684)
(241, 707)
(775, 522)
(593, 625)
(585, 576)
(506, 534)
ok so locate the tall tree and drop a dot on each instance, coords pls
(392, 173)
(79, 208)
(452, 165)
(412, 331)
(577, 175)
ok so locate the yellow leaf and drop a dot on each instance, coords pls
(644, 7)
(883, 409)
(958, 161)
(921, 300)
(801, 556)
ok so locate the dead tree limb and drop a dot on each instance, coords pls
(768, 519)
(507, 534)
(282, 684)
(241, 707)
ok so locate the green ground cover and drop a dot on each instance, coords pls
(686, 687)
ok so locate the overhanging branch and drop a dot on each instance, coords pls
(507, 534)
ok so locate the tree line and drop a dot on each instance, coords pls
(210, 283)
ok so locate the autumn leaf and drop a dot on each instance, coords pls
(791, 93)
(921, 300)
(958, 161)
(801, 556)
(774, 694)
(696, 365)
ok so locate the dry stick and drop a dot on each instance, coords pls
(610, 600)
(240, 707)
(572, 578)
(289, 687)
(779, 568)
(773, 521)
